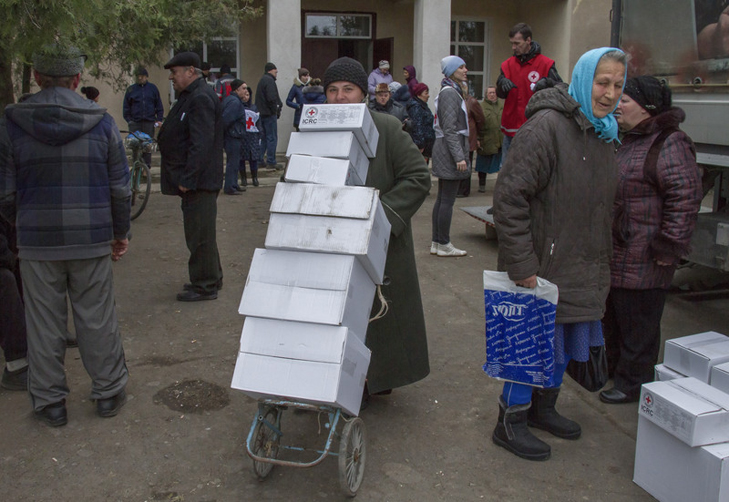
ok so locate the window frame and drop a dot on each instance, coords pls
(337, 16)
(486, 72)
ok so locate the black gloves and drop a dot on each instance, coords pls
(506, 85)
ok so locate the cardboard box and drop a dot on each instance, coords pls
(672, 471)
(663, 373)
(274, 365)
(332, 144)
(353, 117)
(691, 410)
(324, 171)
(327, 219)
(720, 377)
(309, 287)
(695, 355)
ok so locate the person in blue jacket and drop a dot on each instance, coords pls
(295, 99)
(143, 109)
(234, 116)
(314, 93)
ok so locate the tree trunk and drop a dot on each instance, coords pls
(6, 80)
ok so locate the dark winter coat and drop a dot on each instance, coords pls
(295, 99)
(421, 130)
(142, 103)
(314, 94)
(398, 341)
(234, 116)
(393, 108)
(64, 169)
(191, 141)
(552, 205)
(452, 147)
(267, 98)
(655, 212)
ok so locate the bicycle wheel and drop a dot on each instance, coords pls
(141, 187)
(352, 456)
(266, 442)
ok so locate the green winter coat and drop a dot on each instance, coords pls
(397, 341)
(491, 136)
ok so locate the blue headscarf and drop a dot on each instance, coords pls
(581, 91)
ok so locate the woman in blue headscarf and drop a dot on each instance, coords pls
(552, 209)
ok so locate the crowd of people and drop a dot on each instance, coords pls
(612, 254)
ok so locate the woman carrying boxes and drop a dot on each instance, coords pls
(398, 342)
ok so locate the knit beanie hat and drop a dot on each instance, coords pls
(347, 70)
(141, 70)
(450, 64)
(59, 61)
(235, 84)
(303, 72)
(269, 66)
(384, 65)
(418, 89)
(649, 93)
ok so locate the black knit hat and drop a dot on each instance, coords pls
(269, 66)
(235, 84)
(653, 96)
(348, 70)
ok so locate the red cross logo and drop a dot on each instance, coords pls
(312, 112)
(250, 123)
(648, 400)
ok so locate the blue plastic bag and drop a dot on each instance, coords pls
(519, 330)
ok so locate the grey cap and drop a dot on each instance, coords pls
(184, 59)
(59, 61)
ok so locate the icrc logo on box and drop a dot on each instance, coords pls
(510, 311)
(646, 406)
(311, 115)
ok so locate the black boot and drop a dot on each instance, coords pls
(543, 415)
(244, 178)
(255, 179)
(512, 433)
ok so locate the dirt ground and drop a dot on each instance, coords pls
(181, 435)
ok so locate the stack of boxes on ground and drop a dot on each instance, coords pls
(682, 450)
(309, 293)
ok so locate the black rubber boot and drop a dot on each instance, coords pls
(543, 415)
(512, 433)
(244, 179)
(255, 179)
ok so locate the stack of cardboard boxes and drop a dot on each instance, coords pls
(682, 450)
(309, 293)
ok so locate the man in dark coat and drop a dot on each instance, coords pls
(384, 103)
(397, 340)
(191, 144)
(143, 109)
(269, 106)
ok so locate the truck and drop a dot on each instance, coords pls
(685, 43)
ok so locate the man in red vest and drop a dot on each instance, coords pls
(526, 72)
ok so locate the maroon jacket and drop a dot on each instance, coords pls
(655, 213)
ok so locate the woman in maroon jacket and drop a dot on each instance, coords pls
(656, 203)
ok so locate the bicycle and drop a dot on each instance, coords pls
(141, 177)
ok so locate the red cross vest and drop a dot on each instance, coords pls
(523, 76)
